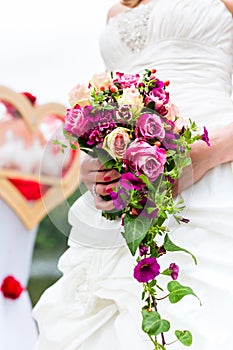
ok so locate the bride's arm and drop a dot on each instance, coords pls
(229, 5)
(205, 158)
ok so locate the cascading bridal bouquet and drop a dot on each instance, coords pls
(130, 124)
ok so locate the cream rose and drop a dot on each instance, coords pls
(131, 96)
(116, 142)
(80, 95)
(101, 80)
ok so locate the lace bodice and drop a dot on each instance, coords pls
(189, 42)
(201, 22)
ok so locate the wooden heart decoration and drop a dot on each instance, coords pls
(56, 176)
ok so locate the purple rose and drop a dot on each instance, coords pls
(146, 269)
(149, 126)
(126, 80)
(75, 122)
(146, 159)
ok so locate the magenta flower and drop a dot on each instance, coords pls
(126, 80)
(131, 182)
(149, 126)
(146, 269)
(160, 98)
(174, 271)
(143, 250)
(94, 138)
(94, 115)
(120, 198)
(205, 137)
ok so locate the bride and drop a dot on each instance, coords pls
(96, 304)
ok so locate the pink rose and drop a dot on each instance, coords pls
(126, 80)
(75, 122)
(80, 95)
(149, 126)
(101, 80)
(160, 98)
(117, 142)
(146, 159)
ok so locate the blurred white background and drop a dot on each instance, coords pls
(48, 46)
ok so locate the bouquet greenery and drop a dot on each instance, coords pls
(129, 123)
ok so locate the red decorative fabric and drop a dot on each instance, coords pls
(31, 190)
(11, 288)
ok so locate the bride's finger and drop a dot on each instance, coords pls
(111, 175)
(102, 204)
(105, 190)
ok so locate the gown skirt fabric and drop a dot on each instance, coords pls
(96, 303)
(18, 329)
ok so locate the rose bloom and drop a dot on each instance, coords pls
(149, 126)
(146, 159)
(131, 96)
(116, 142)
(11, 288)
(75, 121)
(80, 95)
(101, 80)
(160, 98)
(126, 80)
(146, 269)
(173, 114)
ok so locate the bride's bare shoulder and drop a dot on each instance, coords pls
(114, 10)
(229, 5)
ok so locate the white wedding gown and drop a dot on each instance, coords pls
(17, 328)
(95, 305)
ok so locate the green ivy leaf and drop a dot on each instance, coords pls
(134, 231)
(171, 247)
(104, 157)
(185, 337)
(152, 323)
(177, 291)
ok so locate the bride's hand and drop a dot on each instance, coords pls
(205, 158)
(92, 172)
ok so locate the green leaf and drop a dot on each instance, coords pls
(103, 156)
(134, 231)
(152, 323)
(177, 291)
(146, 181)
(184, 337)
(171, 247)
(72, 146)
